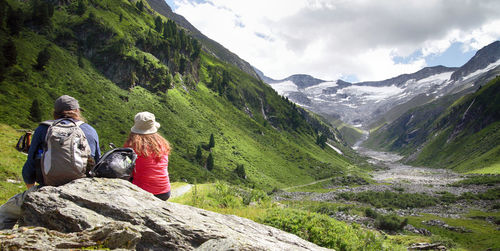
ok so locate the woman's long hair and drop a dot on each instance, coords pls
(147, 145)
(74, 114)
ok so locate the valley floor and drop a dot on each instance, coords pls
(394, 176)
(454, 208)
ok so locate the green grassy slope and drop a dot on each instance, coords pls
(462, 134)
(116, 64)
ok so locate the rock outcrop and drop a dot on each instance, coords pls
(113, 213)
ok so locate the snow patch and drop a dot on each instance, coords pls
(481, 71)
(335, 148)
(442, 77)
(285, 87)
(318, 89)
(372, 92)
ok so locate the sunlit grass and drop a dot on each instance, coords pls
(11, 163)
(492, 169)
(483, 235)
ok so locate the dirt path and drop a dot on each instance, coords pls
(180, 190)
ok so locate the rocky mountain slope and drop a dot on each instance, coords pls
(453, 132)
(362, 104)
(122, 216)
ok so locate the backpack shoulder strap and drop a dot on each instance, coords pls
(79, 123)
(47, 122)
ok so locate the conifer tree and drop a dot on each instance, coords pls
(210, 162)
(10, 53)
(80, 60)
(42, 12)
(211, 143)
(42, 59)
(321, 140)
(35, 112)
(81, 8)
(198, 155)
(139, 5)
(14, 21)
(3, 12)
(240, 171)
(158, 24)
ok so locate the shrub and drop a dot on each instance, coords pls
(496, 206)
(371, 213)
(491, 194)
(325, 231)
(226, 196)
(390, 222)
(388, 199)
(448, 197)
(325, 209)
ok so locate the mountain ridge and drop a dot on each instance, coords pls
(363, 103)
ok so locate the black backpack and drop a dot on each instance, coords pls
(24, 142)
(116, 163)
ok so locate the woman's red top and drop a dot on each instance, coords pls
(151, 174)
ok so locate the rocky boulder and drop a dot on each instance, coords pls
(113, 213)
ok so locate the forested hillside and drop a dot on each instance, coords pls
(120, 57)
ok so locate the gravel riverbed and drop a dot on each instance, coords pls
(397, 177)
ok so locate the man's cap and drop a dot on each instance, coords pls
(65, 103)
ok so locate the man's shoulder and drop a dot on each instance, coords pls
(88, 128)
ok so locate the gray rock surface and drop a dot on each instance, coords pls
(114, 213)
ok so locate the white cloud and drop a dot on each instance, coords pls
(332, 39)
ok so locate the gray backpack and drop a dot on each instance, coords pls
(66, 152)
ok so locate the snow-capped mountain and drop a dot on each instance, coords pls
(360, 104)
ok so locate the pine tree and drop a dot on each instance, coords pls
(80, 60)
(3, 12)
(10, 53)
(199, 154)
(35, 112)
(321, 140)
(81, 8)
(210, 162)
(42, 59)
(42, 12)
(240, 171)
(196, 49)
(14, 21)
(158, 24)
(211, 143)
(139, 5)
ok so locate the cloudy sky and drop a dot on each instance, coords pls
(353, 40)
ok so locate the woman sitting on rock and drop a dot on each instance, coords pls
(151, 166)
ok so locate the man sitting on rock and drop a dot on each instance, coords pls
(61, 151)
